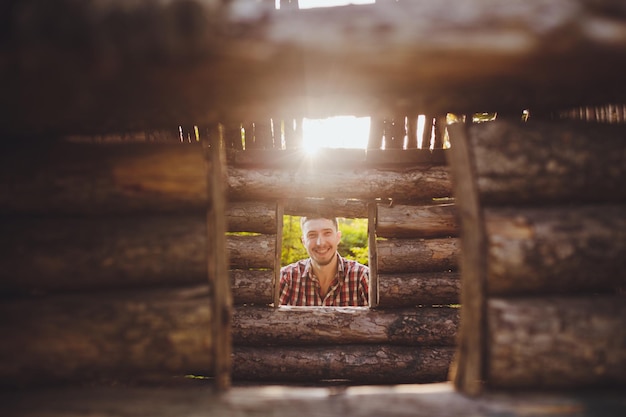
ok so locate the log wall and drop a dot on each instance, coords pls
(544, 233)
(110, 237)
(410, 336)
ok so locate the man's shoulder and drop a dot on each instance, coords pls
(296, 266)
(352, 264)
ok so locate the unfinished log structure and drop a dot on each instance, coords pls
(117, 263)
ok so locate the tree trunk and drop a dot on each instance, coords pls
(359, 183)
(426, 288)
(557, 342)
(556, 249)
(362, 364)
(549, 162)
(416, 221)
(261, 326)
(82, 337)
(411, 255)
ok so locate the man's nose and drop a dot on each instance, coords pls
(319, 240)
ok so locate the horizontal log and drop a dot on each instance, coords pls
(556, 249)
(251, 251)
(91, 337)
(262, 326)
(361, 364)
(251, 216)
(41, 254)
(358, 183)
(339, 207)
(539, 163)
(88, 178)
(416, 221)
(438, 56)
(557, 342)
(426, 288)
(413, 255)
(252, 286)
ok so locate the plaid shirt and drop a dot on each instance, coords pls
(299, 287)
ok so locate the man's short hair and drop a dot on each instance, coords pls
(305, 219)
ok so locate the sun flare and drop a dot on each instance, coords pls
(335, 132)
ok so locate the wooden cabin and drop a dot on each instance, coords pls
(150, 151)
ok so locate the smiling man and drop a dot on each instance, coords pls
(325, 278)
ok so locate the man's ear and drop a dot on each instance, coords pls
(339, 234)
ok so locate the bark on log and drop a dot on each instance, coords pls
(411, 255)
(427, 288)
(67, 254)
(556, 249)
(549, 162)
(251, 251)
(184, 49)
(259, 326)
(251, 216)
(557, 342)
(340, 207)
(358, 183)
(252, 286)
(123, 336)
(417, 221)
(86, 178)
(362, 364)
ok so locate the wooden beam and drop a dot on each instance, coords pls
(549, 163)
(424, 288)
(121, 336)
(360, 183)
(193, 63)
(217, 260)
(556, 249)
(417, 221)
(417, 255)
(468, 371)
(362, 364)
(557, 342)
(264, 326)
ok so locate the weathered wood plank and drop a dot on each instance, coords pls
(88, 178)
(425, 288)
(221, 300)
(438, 55)
(264, 326)
(359, 183)
(417, 255)
(556, 249)
(557, 342)
(430, 221)
(363, 364)
(549, 162)
(468, 370)
(90, 337)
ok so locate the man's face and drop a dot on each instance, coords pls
(320, 238)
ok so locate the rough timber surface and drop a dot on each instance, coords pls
(106, 65)
(428, 400)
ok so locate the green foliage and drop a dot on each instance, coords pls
(353, 243)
